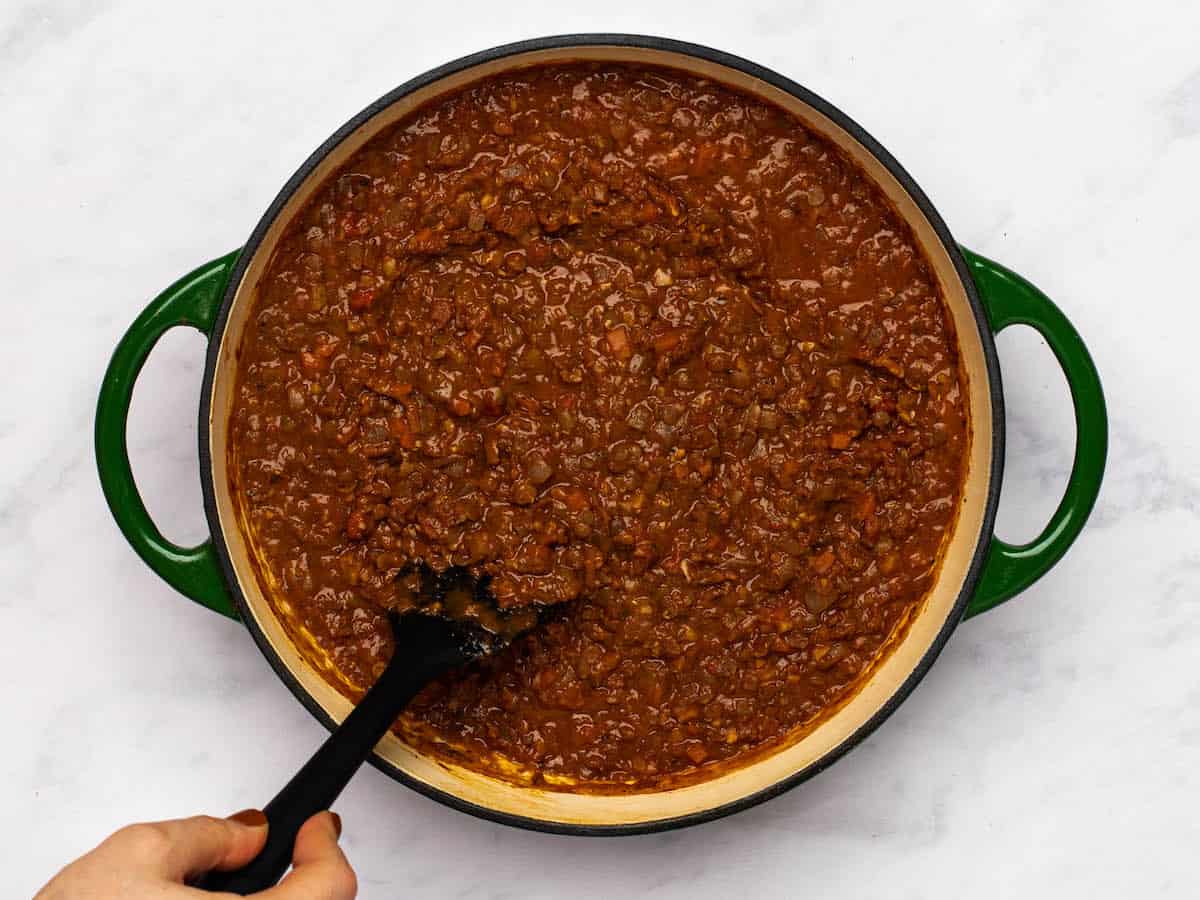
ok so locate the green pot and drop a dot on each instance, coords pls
(978, 572)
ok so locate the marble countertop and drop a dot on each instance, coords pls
(1053, 749)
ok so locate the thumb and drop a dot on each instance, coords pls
(202, 843)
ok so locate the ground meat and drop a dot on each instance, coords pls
(620, 339)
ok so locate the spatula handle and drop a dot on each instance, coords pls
(420, 656)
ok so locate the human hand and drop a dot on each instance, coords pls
(156, 859)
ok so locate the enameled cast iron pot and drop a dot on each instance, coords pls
(978, 571)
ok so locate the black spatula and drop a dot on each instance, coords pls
(449, 620)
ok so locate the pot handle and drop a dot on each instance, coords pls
(1009, 299)
(192, 300)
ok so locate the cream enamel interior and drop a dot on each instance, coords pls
(631, 809)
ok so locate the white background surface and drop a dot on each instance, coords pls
(1052, 751)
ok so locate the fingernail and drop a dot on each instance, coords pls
(337, 823)
(254, 818)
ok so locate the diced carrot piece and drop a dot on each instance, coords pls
(618, 342)
(668, 340)
(362, 299)
(822, 563)
(399, 429)
(574, 498)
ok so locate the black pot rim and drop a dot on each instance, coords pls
(708, 54)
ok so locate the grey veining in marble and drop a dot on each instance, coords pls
(1054, 748)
